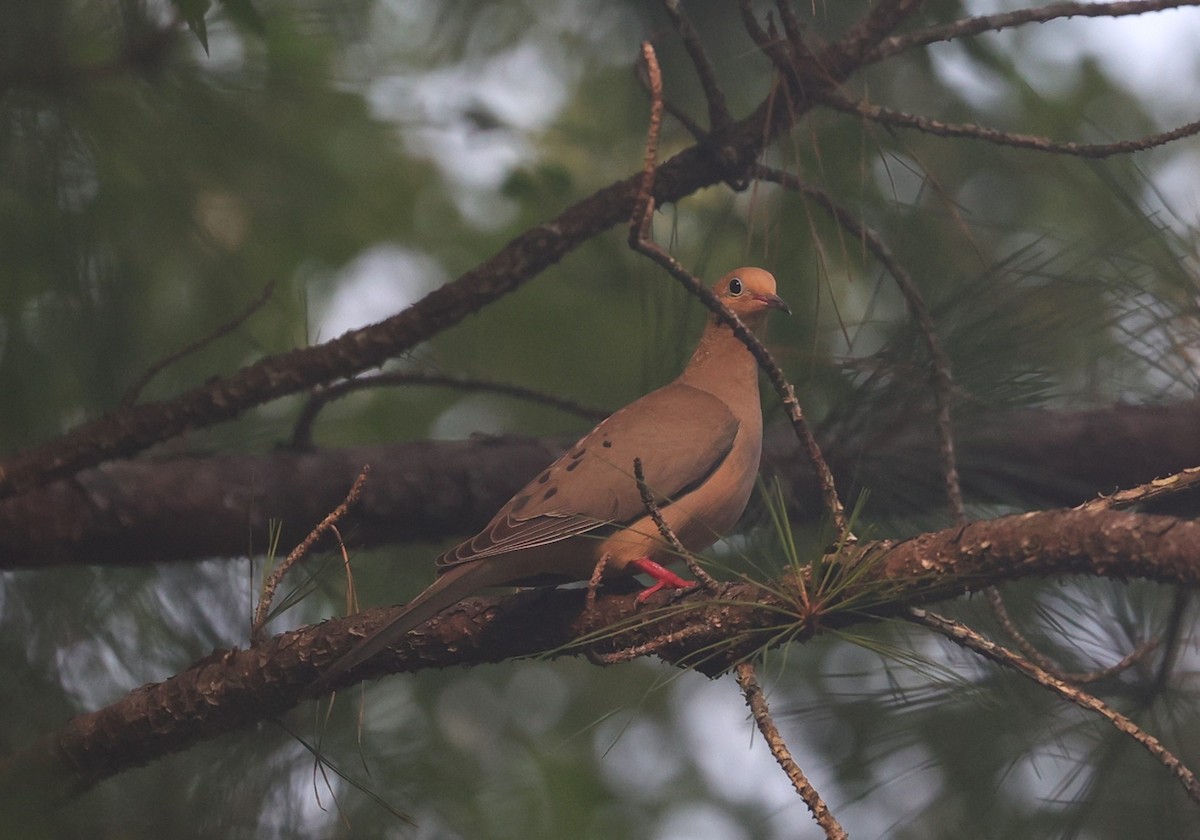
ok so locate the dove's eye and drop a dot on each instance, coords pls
(735, 287)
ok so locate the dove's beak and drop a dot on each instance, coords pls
(774, 302)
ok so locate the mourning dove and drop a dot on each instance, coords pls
(699, 439)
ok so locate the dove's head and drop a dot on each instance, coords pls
(750, 294)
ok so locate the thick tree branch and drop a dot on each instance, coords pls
(232, 689)
(136, 512)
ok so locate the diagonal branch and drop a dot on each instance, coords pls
(966, 637)
(718, 110)
(640, 240)
(134, 391)
(752, 691)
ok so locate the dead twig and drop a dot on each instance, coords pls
(135, 390)
(1010, 629)
(1158, 488)
(640, 239)
(318, 399)
(589, 602)
(706, 580)
(772, 45)
(268, 591)
(1126, 662)
(752, 691)
(1174, 638)
(649, 648)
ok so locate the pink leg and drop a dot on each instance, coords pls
(663, 578)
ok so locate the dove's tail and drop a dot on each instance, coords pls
(456, 583)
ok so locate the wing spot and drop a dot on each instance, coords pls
(607, 444)
(520, 503)
(544, 477)
(549, 493)
(573, 465)
(578, 453)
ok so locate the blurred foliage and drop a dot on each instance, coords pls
(155, 177)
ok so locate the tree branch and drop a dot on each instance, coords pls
(752, 691)
(968, 638)
(1032, 142)
(229, 690)
(136, 512)
(967, 27)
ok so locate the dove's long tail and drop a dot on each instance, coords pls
(452, 586)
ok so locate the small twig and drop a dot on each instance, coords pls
(1158, 488)
(752, 691)
(964, 636)
(706, 580)
(1037, 143)
(268, 592)
(699, 133)
(352, 605)
(1175, 627)
(318, 399)
(1126, 662)
(134, 391)
(718, 111)
(640, 240)
(758, 35)
(649, 648)
(1010, 629)
(994, 23)
(640, 228)
(589, 601)
(771, 45)
(864, 35)
(792, 25)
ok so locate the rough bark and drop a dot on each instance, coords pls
(711, 632)
(136, 512)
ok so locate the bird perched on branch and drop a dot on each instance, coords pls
(699, 439)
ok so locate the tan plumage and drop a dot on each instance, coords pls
(699, 439)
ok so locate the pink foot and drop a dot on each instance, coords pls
(663, 578)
